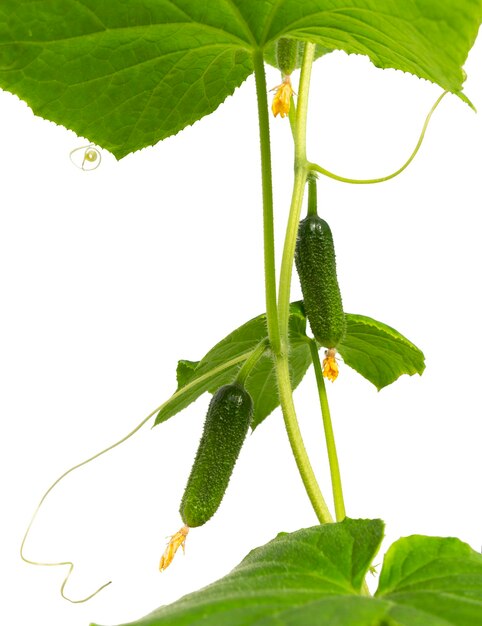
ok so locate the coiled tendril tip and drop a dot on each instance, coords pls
(86, 158)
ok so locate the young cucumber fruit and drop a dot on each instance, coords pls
(286, 55)
(315, 262)
(225, 429)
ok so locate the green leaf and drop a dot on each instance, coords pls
(430, 39)
(123, 74)
(312, 572)
(314, 577)
(220, 365)
(378, 352)
(185, 371)
(431, 581)
(128, 74)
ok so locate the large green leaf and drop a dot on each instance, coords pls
(313, 577)
(379, 352)
(432, 581)
(124, 74)
(402, 35)
(127, 74)
(296, 574)
(220, 365)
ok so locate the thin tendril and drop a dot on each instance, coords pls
(354, 181)
(54, 484)
(91, 155)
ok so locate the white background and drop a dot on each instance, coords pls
(108, 277)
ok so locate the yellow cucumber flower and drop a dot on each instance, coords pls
(176, 541)
(330, 366)
(282, 97)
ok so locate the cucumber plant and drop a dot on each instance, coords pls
(158, 67)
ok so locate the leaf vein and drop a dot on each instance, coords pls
(130, 30)
(243, 21)
(359, 37)
(269, 20)
(91, 12)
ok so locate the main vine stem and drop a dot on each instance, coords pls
(278, 313)
(268, 218)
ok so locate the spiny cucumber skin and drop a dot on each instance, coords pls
(286, 55)
(225, 429)
(316, 266)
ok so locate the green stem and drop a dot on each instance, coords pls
(329, 436)
(289, 253)
(296, 441)
(282, 366)
(251, 361)
(267, 186)
(312, 194)
(297, 194)
(279, 346)
(330, 445)
(370, 181)
(292, 116)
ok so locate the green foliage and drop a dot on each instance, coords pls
(378, 352)
(432, 581)
(184, 372)
(314, 577)
(289, 573)
(220, 365)
(225, 429)
(128, 74)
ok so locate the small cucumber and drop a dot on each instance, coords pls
(225, 429)
(315, 262)
(286, 55)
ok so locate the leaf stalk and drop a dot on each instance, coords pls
(329, 435)
(251, 361)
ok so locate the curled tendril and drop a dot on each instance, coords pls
(42, 499)
(91, 157)
(314, 167)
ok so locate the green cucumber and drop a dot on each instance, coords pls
(286, 55)
(316, 266)
(225, 429)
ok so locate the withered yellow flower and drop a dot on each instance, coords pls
(282, 97)
(175, 542)
(330, 366)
